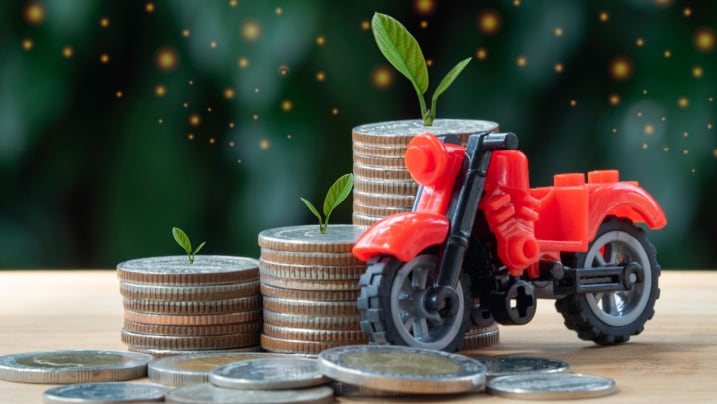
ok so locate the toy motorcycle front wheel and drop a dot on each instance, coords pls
(395, 307)
(612, 317)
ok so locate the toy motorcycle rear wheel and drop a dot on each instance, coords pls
(612, 317)
(393, 309)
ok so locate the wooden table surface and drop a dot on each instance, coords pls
(674, 360)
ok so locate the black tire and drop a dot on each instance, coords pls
(386, 316)
(612, 317)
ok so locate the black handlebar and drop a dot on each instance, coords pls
(500, 141)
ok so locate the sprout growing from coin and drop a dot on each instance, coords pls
(338, 192)
(183, 240)
(403, 52)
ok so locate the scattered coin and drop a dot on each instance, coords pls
(268, 374)
(182, 370)
(176, 270)
(514, 365)
(73, 366)
(162, 353)
(208, 393)
(402, 369)
(551, 386)
(109, 392)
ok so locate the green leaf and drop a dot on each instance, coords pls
(313, 209)
(401, 50)
(199, 247)
(182, 239)
(446, 82)
(338, 192)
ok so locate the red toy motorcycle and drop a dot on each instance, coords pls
(480, 245)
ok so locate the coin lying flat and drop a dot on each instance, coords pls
(176, 270)
(402, 369)
(162, 353)
(312, 322)
(514, 365)
(109, 392)
(183, 342)
(182, 370)
(547, 386)
(338, 238)
(268, 374)
(481, 337)
(62, 367)
(189, 292)
(208, 393)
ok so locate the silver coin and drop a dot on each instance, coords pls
(176, 270)
(268, 374)
(182, 370)
(551, 386)
(73, 366)
(514, 365)
(208, 393)
(402, 369)
(308, 238)
(110, 392)
(412, 127)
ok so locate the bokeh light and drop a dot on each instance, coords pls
(27, 44)
(287, 105)
(704, 39)
(284, 70)
(34, 13)
(334, 111)
(68, 51)
(195, 120)
(640, 42)
(320, 76)
(683, 102)
(697, 72)
(648, 129)
(229, 93)
(186, 33)
(213, 44)
(104, 58)
(620, 68)
(489, 21)
(558, 31)
(667, 54)
(160, 90)
(243, 62)
(149, 7)
(382, 77)
(424, 7)
(424, 24)
(521, 61)
(481, 54)
(604, 16)
(320, 40)
(119, 94)
(264, 144)
(365, 25)
(104, 22)
(614, 99)
(559, 67)
(166, 59)
(687, 12)
(250, 31)
(278, 11)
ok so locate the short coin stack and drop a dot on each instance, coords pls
(382, 185)
(309, 283)
(174, 307)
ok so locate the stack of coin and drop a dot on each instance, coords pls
(309, 283)
(174, 307)
(382, 185)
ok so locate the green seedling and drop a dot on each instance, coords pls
(403, 52)
(338, 192)
(183, 240)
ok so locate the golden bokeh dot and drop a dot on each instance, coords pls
(186, 33)
(516, 3)
(614, 130)
(685, 152)
(704, 39)
(573, 103)
(365, 25)
(166, 59)
(521, 61)
(243, 62)
(213, 44)
(644, 146)
(489, 21)
(481, 54)
(683, 102)
(620, 68)
(714, 153)
(382, 77)
(250, 31)
(424, 7)
(229, 93)
(663, 119)
(284, 70)
(278, 11)
(644, 92)
(231, 125)
(238, 161)
(697, 72)
(209, 109)
(614, 99)
(160, 90)
(429, 62)
(68, 51)
(185, 105)
(231, 143)
(233, 3)
(665, 149)
(640, 42)
(559, 68)
(711, 99)
(287, 105)
(190, 82)
(34, 13)
(424, 24)
(639, 114)
(212, 140)
(289, 136)
(685, 134)
(264, 144)
(604, 16)
(667, 54)
(257, 90)
(558, 31)
(320, 40)
(334, 111)
(255, 117)
(663, 3)
(160, 121)
(687, 11)
(104, 22)
(709, 125)
(104, 58)
(320, 76)
(119, 94)
(190, 136)
(149, 7)
(649, 129)
(27, 44)
(195, 120)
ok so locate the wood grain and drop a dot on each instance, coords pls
(674, 360)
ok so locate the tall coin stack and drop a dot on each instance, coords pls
(309, 283)
(174, 307)
(382, 185)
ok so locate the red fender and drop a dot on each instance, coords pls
(623, 199)
(403, 235)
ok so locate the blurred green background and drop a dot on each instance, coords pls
(121, 119)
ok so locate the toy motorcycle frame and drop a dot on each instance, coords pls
(481, 246)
